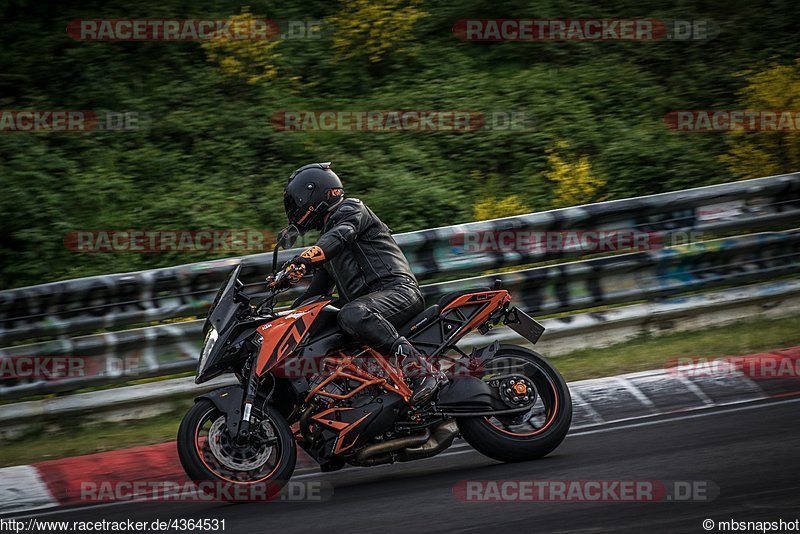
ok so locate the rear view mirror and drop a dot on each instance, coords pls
(288, 236)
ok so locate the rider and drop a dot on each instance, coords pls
(356, 253)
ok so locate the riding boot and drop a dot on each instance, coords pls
(426, 380)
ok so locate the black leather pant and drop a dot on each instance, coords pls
(373, 318)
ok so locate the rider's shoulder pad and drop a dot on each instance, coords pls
(350, 205)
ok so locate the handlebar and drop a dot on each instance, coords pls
(277, 285)
(279, 281)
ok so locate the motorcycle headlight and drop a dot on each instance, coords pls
(208, 345)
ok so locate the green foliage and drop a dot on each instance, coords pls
(494, 208)
(755, 154)
(575, 182)
(206, 155)
(373, 28)
(252, 60)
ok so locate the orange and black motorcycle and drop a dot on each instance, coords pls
(303, 382)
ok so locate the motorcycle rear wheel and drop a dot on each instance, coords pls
(533, 434)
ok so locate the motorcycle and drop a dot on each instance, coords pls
(304, 383)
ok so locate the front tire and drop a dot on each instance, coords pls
(253, 472)
(516, 439)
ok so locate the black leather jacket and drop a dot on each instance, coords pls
(360, 254)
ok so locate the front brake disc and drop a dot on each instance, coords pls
(247, 458)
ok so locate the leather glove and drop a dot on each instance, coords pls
(310, 257)
(298, 266)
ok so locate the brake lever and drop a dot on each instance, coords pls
(258, 304)
(276, 282)
(275, 286)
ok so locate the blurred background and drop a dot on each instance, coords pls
(204, 153)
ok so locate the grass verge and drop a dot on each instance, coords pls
(41, 443)
(737, 339)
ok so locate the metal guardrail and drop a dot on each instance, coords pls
(166, 349)
(119, 300)
(717, 307)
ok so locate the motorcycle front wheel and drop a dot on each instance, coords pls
(252, 471)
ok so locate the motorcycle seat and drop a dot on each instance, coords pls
(432, 312)
(418, 320)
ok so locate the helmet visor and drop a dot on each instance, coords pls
(292, 209)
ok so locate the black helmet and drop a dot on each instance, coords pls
(311, 192)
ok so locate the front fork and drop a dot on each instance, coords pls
(251, 388)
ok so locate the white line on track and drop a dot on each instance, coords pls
(731, 409)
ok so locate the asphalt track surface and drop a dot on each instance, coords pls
(748, 451)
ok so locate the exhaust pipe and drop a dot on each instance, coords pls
(409, 448)
(386, 447)
(441, 438)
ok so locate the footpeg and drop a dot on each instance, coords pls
(426, 388)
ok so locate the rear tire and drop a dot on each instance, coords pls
(197, 456)
(517, 446)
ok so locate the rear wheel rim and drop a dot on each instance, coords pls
(542, 413)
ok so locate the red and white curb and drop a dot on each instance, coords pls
(72, 481)
(56, 483)
(22, 488)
